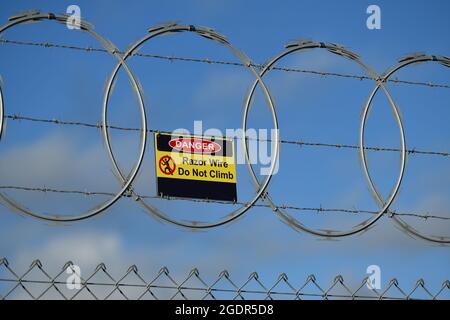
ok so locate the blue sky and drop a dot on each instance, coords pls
(58, 83)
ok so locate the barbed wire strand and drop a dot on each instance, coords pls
(424, 216)
(293, 142)
(220, 62)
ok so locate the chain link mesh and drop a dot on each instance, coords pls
(100, 284)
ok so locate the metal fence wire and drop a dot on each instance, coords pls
(262, 197)
(37, 283)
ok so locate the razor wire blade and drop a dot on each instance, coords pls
(126, 180)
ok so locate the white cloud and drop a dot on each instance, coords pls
(60, 159)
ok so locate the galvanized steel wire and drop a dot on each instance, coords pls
(37, 283)
(126, 181)
(222, 62)
(111, 49)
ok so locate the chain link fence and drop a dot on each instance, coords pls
(37, 283)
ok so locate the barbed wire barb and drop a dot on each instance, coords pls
(171, 58)
(413, 151)
(319, 210)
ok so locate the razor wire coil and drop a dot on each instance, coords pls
(402, 64)
(261, 193)
(345, 53)
(85, 27)
(214, 36)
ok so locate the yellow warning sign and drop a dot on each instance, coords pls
(195, 166)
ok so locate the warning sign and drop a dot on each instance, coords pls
(195, 167)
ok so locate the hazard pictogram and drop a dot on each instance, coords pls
(167, 165)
